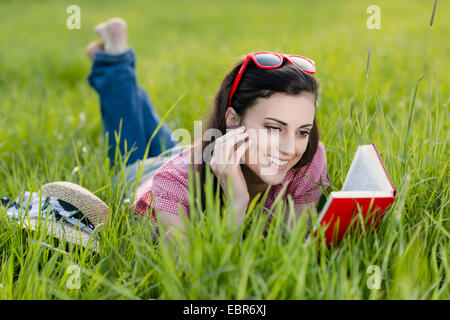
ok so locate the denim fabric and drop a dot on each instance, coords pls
(150, 165)
(122, 99)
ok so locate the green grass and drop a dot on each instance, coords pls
(50, 124)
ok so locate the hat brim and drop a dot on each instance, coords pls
(84, 200)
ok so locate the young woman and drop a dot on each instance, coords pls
(263, 123)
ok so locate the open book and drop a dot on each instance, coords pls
(367, 189)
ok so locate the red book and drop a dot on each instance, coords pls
(367, 189)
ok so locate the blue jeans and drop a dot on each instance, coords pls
(124, 104)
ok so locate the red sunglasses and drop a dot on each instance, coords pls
(271, 60)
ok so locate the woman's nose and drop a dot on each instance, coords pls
(287, 145)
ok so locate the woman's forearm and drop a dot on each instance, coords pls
(239, 211)
(172, 223)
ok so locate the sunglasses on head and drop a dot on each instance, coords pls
(271, 60)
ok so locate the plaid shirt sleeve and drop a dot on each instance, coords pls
(169, 191)
(309, 183)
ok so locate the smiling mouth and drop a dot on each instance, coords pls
(274, 162)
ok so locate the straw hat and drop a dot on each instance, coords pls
(88, 203)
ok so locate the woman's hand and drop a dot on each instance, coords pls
(225, 161)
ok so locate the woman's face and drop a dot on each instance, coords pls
(279, 127)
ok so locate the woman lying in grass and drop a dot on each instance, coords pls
(262, 120)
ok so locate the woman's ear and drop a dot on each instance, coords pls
(232, 119)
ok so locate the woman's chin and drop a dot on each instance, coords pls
(271, 175)
(268, 174)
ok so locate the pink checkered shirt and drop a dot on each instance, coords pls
(167, 190)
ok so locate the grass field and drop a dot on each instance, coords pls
(50, 130)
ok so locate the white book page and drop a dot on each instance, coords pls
(366, 172)
(365, 178)
(378, 169)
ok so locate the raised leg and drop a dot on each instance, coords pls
(126, 109)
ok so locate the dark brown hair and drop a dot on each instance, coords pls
(255, 83)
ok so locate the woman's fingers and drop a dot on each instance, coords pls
(241, 151)
(232, 143)
(225, 146)
(229, 136)
(227, 152)
(232, 133)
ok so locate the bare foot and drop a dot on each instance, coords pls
(113, 34)
(93, 47)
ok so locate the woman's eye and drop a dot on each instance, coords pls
(304, 133)
(272, 128)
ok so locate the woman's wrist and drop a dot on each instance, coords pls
(239, 210)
